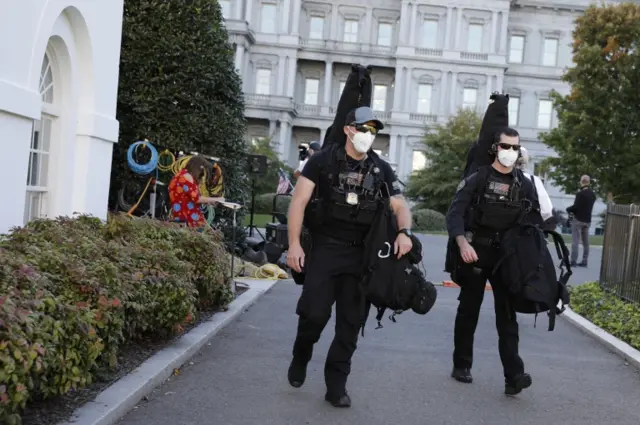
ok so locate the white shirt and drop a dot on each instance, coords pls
(302, 164)
(545, 202)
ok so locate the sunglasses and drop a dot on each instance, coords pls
(365, 128)
(507, 146)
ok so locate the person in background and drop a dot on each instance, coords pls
(313, 148)
(546, 208)
(582, 209)
(184, 193)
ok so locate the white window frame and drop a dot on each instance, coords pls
(268, 26)
(38, 170)
(316, 35)
(379, 101)
(514, 110)
(516, 55)
(429, 41)
(261, 77)
(467, 104)
(544, 121)
(550, 58)
(311, 98)
(225, 8)
(388, 39)
(351, 28)
(472, 39)
(424, 102)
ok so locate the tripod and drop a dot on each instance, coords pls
(251, 211)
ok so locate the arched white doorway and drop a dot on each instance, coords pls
(42, 140)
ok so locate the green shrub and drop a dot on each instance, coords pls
(619, 318)
(264, 204)
(428, 221)
(72, 291)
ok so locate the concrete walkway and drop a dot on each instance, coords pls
(400, 375)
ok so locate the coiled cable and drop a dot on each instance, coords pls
(142, 169)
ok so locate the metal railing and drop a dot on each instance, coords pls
(620, 269)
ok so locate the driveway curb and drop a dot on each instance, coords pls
(123, 395)
(621, 348)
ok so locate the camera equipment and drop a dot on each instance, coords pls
(257, 167)
(303, 151)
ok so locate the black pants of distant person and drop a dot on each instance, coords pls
(472, 288)
(332, 276)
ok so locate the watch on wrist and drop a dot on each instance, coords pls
(406, 232)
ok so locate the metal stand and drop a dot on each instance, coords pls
(251, 211)
(233, 256)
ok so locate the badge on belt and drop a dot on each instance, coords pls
(352, 198)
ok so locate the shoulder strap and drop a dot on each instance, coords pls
(563, 255)
(482, 175)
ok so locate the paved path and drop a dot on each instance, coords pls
(400, 376)
(434, 247)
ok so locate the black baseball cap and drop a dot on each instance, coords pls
(362, 115)
(315, 146)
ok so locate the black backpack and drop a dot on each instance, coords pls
(390, 283)
(527, 268)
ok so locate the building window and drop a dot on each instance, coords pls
(430, 34)
(263, 81)
(514, 109)
(474, 41)
(545, 109)
(419, 161)
(379, 98)
(225, 7)
(550, 56)
(424, 98)
(316, 28)
(470, 98)
(38, 168)
(384, 34)
(311, 89)
(516, 49)
(268, 18)
(351, 31)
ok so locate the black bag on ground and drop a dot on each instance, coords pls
(527, 268)
(389, 282)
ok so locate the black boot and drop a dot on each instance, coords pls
(517, 384)
(297, 372)
(462, 374)
(342, 401)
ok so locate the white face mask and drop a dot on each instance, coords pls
(362, 141)
(507, 157)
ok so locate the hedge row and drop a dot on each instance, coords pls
(621, 319)
(72, 291)
(426, 220)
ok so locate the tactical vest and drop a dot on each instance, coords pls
(353, 196)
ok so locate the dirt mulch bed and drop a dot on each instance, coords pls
(59, 409)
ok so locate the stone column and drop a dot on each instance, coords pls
(454, 94)
(404, 15)
(248, 12)
(458, 41)
(237, 10)
(272, 129)
(401, 157)
(408, 81)
(393, 142)
(494, 31)
(292, 76)
(323, 133)
(282, 63)
(334, 23)
(297, 5)
(500, 79)
(447, 32)
(239, 59)
(283, 143)
(368, 27)
(503, 33)
(411, 40)
(328, 73)
(286, 11)
(442, 91)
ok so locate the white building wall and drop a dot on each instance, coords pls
(82, 41)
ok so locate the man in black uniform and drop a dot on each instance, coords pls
(349, 182)
(488, 202)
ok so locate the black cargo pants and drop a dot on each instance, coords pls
(472, 280)
(332, 276)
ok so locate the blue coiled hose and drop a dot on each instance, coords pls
(142, 169)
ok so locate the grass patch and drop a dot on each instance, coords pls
(259, 220)
(621, 319)
(593, 239)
